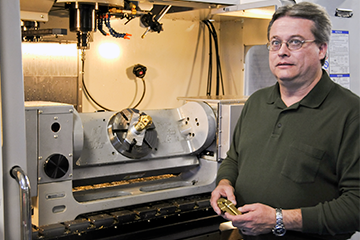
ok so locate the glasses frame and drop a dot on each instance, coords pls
(268, 45)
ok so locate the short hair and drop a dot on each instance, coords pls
(311, 11)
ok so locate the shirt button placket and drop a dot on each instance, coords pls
(279, 124)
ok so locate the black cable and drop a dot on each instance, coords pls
(218, 69)
(139, 71)
(88, 95)
(218, 65)
(219, 77)
(210, 66)
(214, 36)
(209, 79)
(217, 56)
(143, 94)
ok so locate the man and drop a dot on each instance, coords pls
(293, 165)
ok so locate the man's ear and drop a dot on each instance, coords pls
(322, 50)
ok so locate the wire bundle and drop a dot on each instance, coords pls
(219, 78)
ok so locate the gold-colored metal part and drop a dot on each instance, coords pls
(227, 206)
(123, 182)
(144, 122)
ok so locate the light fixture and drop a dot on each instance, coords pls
(261, 12)
(109, 50)
(49, 49)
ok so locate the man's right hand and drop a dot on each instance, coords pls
(223, 189)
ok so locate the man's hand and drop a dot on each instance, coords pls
(256, 219)
(223, 189)
(259, 219)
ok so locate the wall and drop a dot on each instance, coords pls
(237, 35)
(175, 59)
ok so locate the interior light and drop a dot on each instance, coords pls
(261, 13)
(109, 50)
(49, 49)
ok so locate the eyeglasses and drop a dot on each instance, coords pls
(292, 44)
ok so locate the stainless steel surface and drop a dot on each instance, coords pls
(53, 125)
(51, 88)
(57, 202)
(257, 70)
(51, 77)
(227, 110)
(141, 167)
(25, 202)
(78, 138)
(181, 131)
(228, 118)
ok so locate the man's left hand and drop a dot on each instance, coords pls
(255, 219)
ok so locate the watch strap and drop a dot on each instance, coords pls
(279, 229)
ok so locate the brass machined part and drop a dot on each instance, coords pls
(123, 182)
(144, 122)
(227, 206)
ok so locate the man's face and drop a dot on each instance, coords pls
(297, 66)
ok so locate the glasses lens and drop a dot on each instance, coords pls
(269, 46)
(294, 44)
(274, 45)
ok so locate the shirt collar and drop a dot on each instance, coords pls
(312, 100)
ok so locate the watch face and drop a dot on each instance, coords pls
(279, 231)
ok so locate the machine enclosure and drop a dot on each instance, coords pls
(191, 146)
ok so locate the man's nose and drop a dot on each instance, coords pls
(284, 50)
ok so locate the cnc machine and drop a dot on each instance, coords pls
(105, 169)
(128, 174)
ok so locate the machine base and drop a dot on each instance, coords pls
(181, 218)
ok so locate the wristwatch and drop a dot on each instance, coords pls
(279, 229)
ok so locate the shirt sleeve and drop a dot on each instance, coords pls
(340, 215)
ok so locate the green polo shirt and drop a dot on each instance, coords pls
(303, 156)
